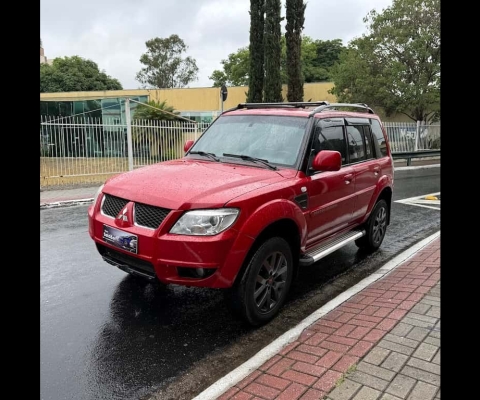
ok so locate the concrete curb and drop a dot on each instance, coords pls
(417, 167)
(66, 203)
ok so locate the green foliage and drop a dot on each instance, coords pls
(256, 52)
(235, 70)
(317, 60)
(293, 38)
(147, 112)
(273, 51)
(72, 74)
(326, 54)
(165, 64)
(396, 64)
(160, 141)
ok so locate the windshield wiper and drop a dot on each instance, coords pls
(203, 153)
(253, 159)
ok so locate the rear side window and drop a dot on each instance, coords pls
(356, 144)
(378, 135)
(330, 138)
(369, 148)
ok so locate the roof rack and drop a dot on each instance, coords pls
(293, 104)
(362, 106)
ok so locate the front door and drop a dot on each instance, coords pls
(331, 194)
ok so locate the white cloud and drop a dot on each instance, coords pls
(113, 33)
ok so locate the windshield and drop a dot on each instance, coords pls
(276, 139)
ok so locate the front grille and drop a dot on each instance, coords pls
(121, 259)
(149, 216)
(113, 205)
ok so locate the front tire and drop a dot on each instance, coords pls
(376, 227)
(263, 288)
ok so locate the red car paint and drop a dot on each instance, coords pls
(338, 201)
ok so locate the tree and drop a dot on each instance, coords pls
(273, 51)
(256, 61)
(326, 55)
(154, 110)
(293, 37)
(160, 140)
(165, 65)
(235, 69)
(74, 74)
(396, 64)
(317, 60)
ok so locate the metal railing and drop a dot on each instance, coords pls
(85, 150)
(411, 136)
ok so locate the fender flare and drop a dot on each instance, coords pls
(253, 226)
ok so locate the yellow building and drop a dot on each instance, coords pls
(199, 104)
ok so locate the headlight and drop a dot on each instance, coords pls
(205, 222)
(97, 194)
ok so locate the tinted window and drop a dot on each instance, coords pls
(378, 134)
(330, 138)
(356, 145)
(368, 141)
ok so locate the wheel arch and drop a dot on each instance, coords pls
(386, 194)
(285, 228)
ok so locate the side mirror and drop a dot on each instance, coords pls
(187, 145)
(327, 160)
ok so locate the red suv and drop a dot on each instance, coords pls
(266, 189)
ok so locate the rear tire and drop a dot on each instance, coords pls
(375, 228)
(258, 295)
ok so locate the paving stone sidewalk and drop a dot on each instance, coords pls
(381, 344)
(405, 364)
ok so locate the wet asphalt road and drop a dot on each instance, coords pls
(105, 335)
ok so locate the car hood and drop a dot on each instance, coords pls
(185, 184)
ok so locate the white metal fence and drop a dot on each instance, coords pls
(84, 150)
(411, 136)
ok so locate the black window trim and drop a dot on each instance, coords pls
(343, 122)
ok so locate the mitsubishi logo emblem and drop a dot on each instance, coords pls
(123, 215)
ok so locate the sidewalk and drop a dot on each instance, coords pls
(380, 343)
(64, 197)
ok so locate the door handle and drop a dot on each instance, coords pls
(376, 170)
(348, 178)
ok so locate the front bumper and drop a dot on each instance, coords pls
(174, 259)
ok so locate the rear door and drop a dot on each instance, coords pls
(366, 167)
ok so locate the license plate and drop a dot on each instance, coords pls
(120, 239)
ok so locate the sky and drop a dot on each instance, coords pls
(113, 32)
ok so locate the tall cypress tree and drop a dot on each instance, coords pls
(293, 36)
(257, 71)
(273, 51)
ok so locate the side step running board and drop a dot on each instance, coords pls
(330, 246)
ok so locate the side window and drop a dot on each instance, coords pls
(330, 138)
(356, 144)
(369, 147)
(378, 134)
